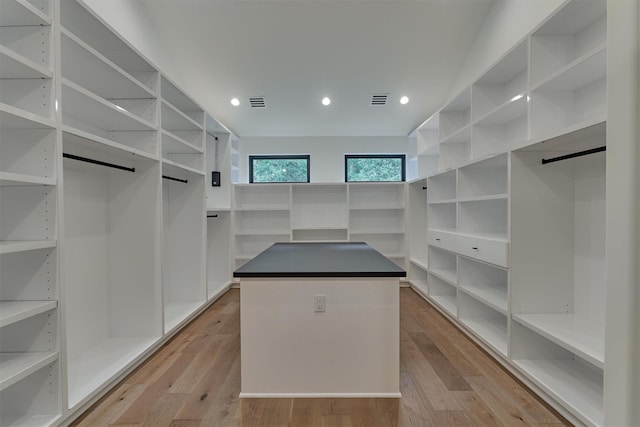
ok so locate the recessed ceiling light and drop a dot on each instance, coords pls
(404, 100)
(326, 101)
(235, 102)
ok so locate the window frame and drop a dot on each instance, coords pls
(306, 157)
(403, 157)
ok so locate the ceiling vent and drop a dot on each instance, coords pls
(379, 99)
(257, 102)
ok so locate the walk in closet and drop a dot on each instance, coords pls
(123, 214)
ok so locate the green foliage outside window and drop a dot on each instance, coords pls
(265, 169)
(370, 168)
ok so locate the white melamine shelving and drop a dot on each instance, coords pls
(376, 196)
(484, 282)
(15, 367)
(11, 246)
(488, 324)
(15, 311)
(219, 251)
(443, 264)
(500, 105)
(443, 294)
(111, 263)
(262, 197)
(319, 206)
(417, 218)
(184, 244)
(568, 69)
(455, 131)
(25, 13)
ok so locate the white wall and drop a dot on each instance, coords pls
(327, 153)
(508, 22)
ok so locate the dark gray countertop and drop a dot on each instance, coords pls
(335, 259)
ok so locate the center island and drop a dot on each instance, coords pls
(320, 320)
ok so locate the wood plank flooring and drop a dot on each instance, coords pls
(194, 380)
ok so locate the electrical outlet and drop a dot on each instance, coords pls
(320, 304)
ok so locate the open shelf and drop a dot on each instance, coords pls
(319, 206)
(143, 145)
(261, 222)
(13, 65)
(15, 367)
(79, 104)
(484, 282)
(260, 197)
(175, 120)
(176, 312)
(489, 325)
(88, 68)
(16, 179)
(455, 115)
(219, 251)
(572, 381)
(328, 234)
(443, 264)
(15, 311)
(22, 13)
(16, 118)
(29, 97)
(27, 214)
(102, 362)
(181, 104)
(443, 294)
(388, 221)
(580, 336)
(376, 196)
(442, 187)
(9, 246)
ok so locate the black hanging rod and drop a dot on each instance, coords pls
(571, 156)
(212, 216)
(175, 179)
(424, 188)
(97, 162)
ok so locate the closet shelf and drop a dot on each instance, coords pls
(115, 82)
(579, 73)
(90, 108)
(492, 333)
(13, 66)
(484, 198)
(380, 206)
(449, 276)
(377, 231)
(580, 336)
(569, 382)
(270, 232)
(12, 246)
(446, 302)
(15, 118)
(442, 202)
(493, 296)
(173, 144)
(505, 113)
(15, 311)
(22, 13)
(420, 263)
(497, 237)
(181, 166)
(77, 134)
(460, 136)
(17, 179)
(17, 366)
(174, 119)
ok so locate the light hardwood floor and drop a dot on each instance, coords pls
(194, 380)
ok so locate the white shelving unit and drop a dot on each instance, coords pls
(417, 217)
(455, 131)
(111, 266)
(184, 244)
(29, 338)
(219, 252)
(558, 221)
(500, 105)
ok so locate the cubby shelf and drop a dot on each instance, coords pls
(89, 370)
(583, 337)
(579, 73)
(16, 118)
(171, 164)
(447, 302)
(507, 112)
(493, 296)
(571, 383)
(17, 366)
(92, 109)
(172, 143)
(482, 198)
(15, 311)
(449, 276)
(21, 12)
(175, 120)
(87, 67)
(12, 246)
(82, 137)
(13, 65)
(493, 333)
(9, 179)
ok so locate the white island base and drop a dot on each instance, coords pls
(352, 349)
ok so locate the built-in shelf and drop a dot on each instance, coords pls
(16, 118)
(449, 276)
(21, 12)
(12, 246)
(17, 366)
(420, 263)
(579, 73)
(447, 302)
(13, 66)
(483, 198)
(10, 179)
(571, 383)
(580, 336)
(176, 120)
(15, 311)
(493, 296)
(442, 202)
(493, 333)
(82, 137)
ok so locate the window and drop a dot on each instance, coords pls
(374, 167)
(278, 169)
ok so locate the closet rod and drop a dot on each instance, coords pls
(97, 162)
(212, 216)
(571, 156)
(175, 179)
(212, 135)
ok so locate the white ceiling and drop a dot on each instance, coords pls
(296, 52)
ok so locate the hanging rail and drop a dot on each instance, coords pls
(212, 216)
(175, 179)
(97, 162)
(571, 156)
